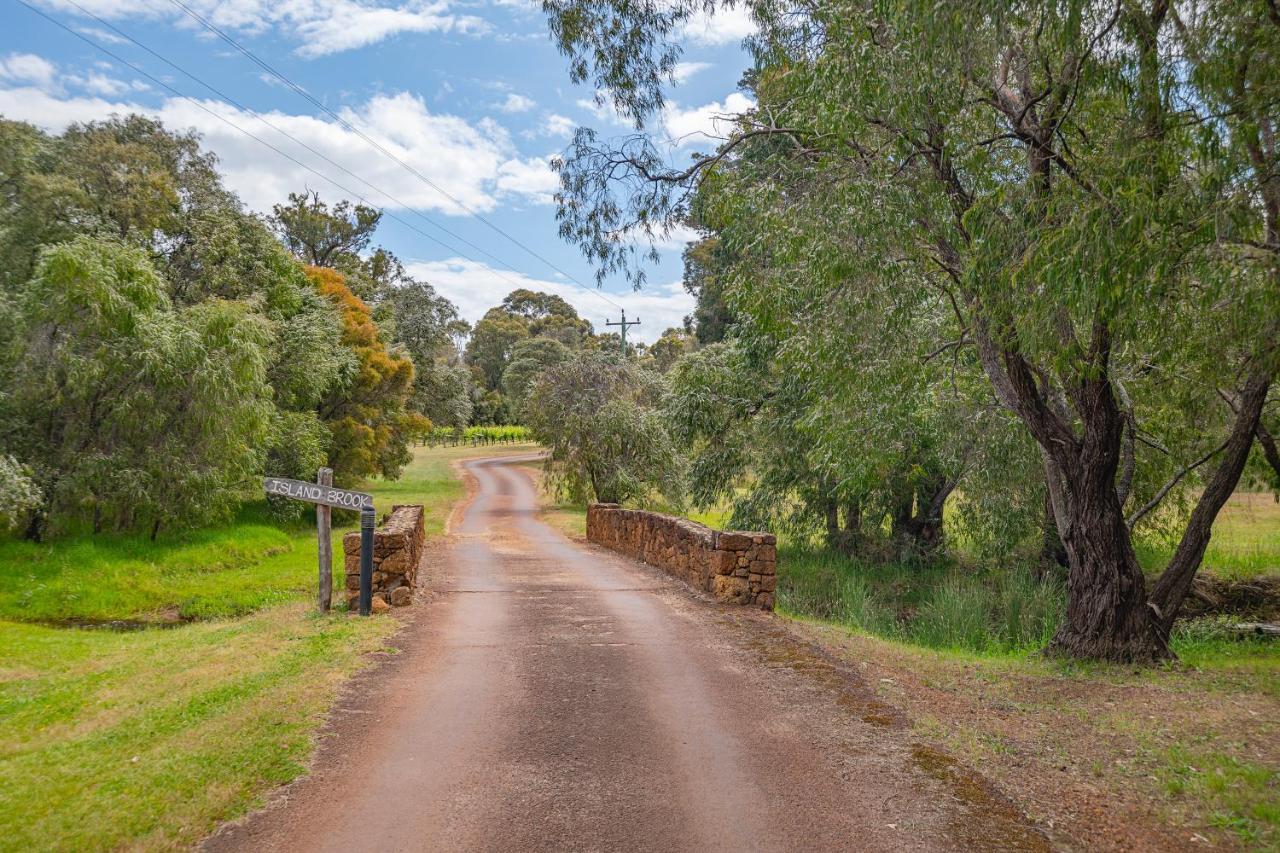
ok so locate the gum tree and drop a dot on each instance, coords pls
(1088, 188)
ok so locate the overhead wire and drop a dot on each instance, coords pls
(242, 107)
(358, 196)
(267, 67)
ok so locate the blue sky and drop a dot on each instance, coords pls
(473, 95)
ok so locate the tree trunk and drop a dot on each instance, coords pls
(833, 523)
(1175, 581)
(1053, 554)
(1107, 615)
(917, 521)
(847, 539)
(1269, 449)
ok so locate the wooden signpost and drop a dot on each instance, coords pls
(325, 497)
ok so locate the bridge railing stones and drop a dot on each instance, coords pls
(397, 550)
(733, 566)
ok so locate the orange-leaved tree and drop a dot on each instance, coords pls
(367, 413)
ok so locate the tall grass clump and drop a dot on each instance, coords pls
(956, 614)
(939, 605)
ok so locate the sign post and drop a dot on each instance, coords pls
(366, 560)
(324, 496)
(324, 541)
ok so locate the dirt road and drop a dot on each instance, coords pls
(553, 696)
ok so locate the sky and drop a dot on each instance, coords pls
(470, 95)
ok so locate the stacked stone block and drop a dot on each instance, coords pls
(397, 549)
(733, 566)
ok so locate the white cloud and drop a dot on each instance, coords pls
(517, 104)
(321, 27)
(724, 26)
(685, 70)
(475, 288)
(554, 125)
(101, 35)
(475, 163)
(708, 122)
(28, 68)
(532, 178)
(104, 85)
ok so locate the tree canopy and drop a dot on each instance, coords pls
(958, 218)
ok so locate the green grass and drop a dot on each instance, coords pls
(149, 738)
(1245, 542)
(938, 605)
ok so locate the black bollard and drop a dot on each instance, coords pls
(366, 560)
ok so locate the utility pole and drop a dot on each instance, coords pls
(622, 327)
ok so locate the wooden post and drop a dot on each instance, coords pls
(324, 522)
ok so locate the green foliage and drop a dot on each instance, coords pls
(599, 417)
(21, 494)
(126, 408)
(368, 415)
(320, 236)
(935, 605)
(528, 359)
(938, 231)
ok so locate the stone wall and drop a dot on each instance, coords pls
(397, 549)
(732, 566)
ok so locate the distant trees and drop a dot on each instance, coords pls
(601, 419)
(513, 341)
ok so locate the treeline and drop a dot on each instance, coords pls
(160, 347)
(1021, 261)
(530, 331)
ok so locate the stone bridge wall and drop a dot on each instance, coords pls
(732, 566)
(397, 549)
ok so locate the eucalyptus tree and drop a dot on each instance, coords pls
(601, 418)
(1087, 188)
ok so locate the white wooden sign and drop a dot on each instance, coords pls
(301, 490)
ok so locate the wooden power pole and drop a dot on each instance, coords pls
(622, 327)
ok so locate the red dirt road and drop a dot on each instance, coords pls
(555, 696)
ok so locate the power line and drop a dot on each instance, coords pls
(375, 144)
(288, 135)
(261, 141)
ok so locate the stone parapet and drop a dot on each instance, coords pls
(733, 566)
(397, 550)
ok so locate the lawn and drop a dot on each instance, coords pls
(148, 738)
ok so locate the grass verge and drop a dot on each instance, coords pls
(148, 739)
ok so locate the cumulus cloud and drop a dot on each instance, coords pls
(531, 178)
(477, 164)
(476, 287)
(553, 124)
(320, 28)
(97, 83)
(685, 70)
(708, 122)
(517, 104)
(28, 68)
(721, 27)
